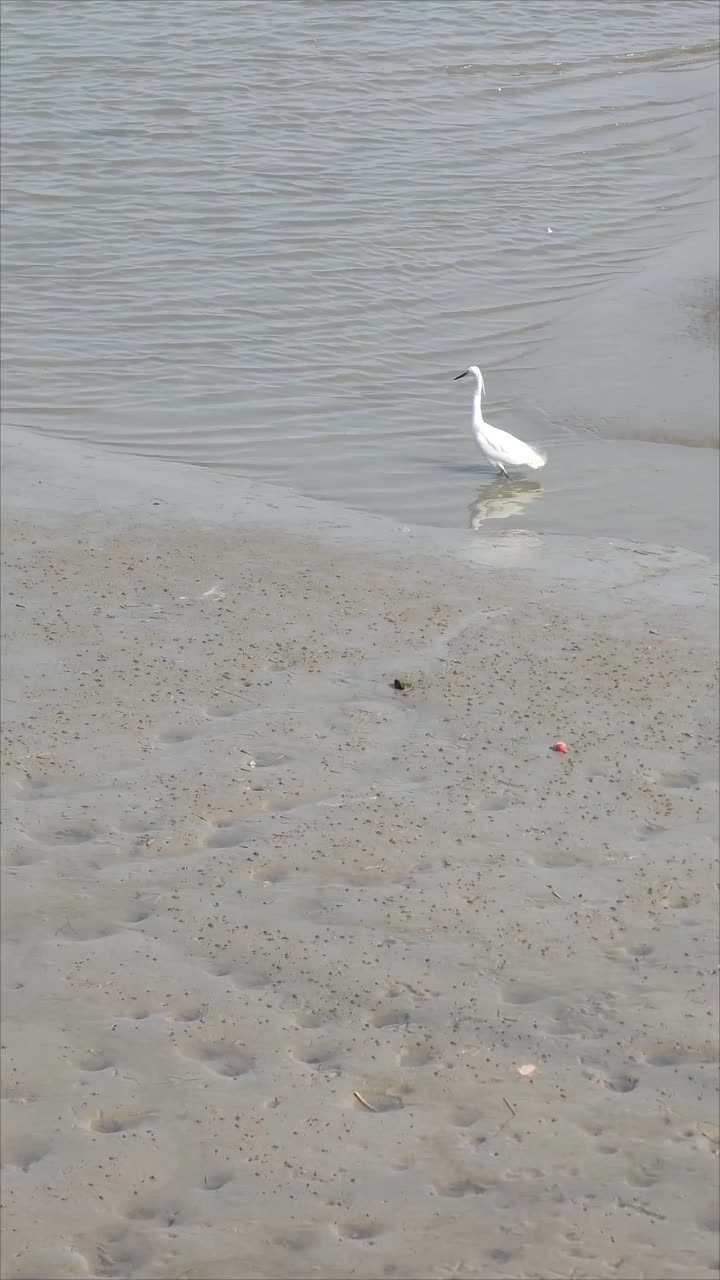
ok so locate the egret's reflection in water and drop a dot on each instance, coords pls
(502, 499)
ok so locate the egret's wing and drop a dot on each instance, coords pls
(511, 451)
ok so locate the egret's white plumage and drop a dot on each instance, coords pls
(499, 446)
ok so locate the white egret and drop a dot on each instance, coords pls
(499, 446)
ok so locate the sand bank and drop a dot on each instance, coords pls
(278, 936)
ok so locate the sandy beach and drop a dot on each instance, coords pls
(279, 936)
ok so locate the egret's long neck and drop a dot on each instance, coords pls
(477, 403)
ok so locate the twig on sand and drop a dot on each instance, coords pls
(504, 1123)
(231, 693)
(364, 1101)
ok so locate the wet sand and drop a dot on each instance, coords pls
(278, 936)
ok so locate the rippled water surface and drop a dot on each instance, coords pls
(264, 236)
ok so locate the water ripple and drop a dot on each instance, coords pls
(238, 235)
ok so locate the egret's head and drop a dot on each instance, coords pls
(476, 375)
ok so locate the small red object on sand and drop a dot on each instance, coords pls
(559, 746)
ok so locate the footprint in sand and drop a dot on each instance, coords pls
(94, 1060)
(358, 1229)
(552, 858)
(392, 1017)
(270, 872)
(308, 1019)
(177, 733)
(673, 1055)
(22, 1152)
(242, 977)
(220, 1056)
(163, 1210)
(322, 1054)
(73, 833)
(522, 993)
(215, 1181)
(618, 1081)
(227, 835)
(189, 1013)
(86, 931)
(17, 858)
(458, 1187)
(675, 780)
(120, 1120)
(417, 1053)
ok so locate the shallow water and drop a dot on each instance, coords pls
(264, 237)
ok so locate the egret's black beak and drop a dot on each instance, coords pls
(461, 375)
